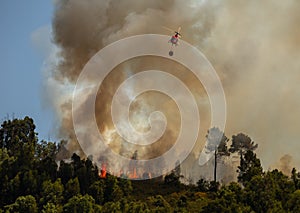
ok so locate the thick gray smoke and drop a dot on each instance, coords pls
(254, 46)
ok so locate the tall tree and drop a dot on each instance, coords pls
(243, 145)
(217, 143)
(18, 136)
(65, 172)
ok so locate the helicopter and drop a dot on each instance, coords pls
(174, 40)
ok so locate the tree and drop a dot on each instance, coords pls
(9, 178)
(296, 178)
(12, 189)
(28, 182)
(112, 191)
(217, 143)
(137, 206)
(81, 174)
(125, 186)
(182, 201)
(65, 172)
(19, 138)
(51, 208)
(72, 188)
(23, 204)
(249, 167)
(52, 193)
(96, 190)
(241, 143)
(76, 162)
(227, 200)
(81, 203)
(280, 184)
(92, 171)
(111, 207)
(47, 168)
(159, 204)
(203, 185)
(263, 192)
(293, 204)
(172, 179)
(46, 149)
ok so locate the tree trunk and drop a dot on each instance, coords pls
(215, 168)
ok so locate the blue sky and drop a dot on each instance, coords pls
(22, 58)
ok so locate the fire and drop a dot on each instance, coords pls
(133, 175)
(132, 166)
(131, 172)
(103, 171)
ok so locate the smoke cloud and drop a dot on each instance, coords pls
(254, 47)
(285, 164)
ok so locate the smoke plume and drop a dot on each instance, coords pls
(254, 47)
(285, 164)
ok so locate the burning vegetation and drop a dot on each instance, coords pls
(132, 173)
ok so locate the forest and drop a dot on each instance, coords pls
(32, 180)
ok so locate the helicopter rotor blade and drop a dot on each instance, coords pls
(166, 28)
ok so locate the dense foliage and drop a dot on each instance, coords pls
(32, 181)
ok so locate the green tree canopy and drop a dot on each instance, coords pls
(81, 203)
(18, 136)
(241, 143)
(23, 204)
(249, 167)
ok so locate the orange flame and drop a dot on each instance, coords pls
(133, 175)
(103, 171)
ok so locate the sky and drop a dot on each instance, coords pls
(24, 45)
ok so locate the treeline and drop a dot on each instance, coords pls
(32, 181)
